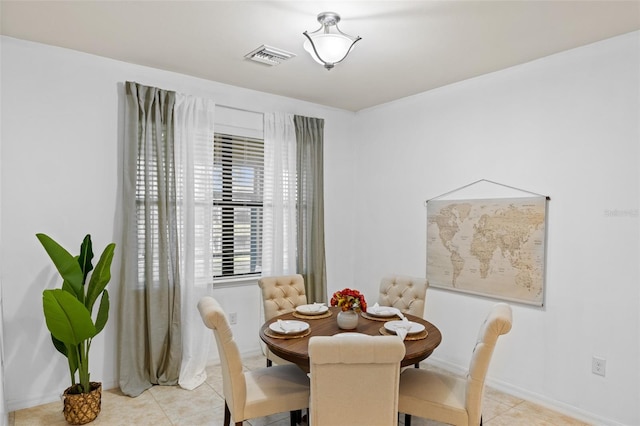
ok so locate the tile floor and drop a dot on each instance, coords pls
(171, 405)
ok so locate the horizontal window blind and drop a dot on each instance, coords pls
(238, 187)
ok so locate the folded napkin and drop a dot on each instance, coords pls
(382, 310)
(316, 306)
(403, 328)
(287, 327)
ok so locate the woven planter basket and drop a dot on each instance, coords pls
(82, 408)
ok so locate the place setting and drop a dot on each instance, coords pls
(405, 329)
(312, 311)
(382, 313)
(288, 329)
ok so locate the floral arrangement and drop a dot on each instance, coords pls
(349, 299)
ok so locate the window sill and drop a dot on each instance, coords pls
(236, 281)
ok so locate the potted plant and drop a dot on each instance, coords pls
(68, 312)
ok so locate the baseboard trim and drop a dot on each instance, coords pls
(16, 405)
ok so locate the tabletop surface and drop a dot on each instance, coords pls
(296, 349)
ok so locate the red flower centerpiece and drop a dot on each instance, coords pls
(349, 300)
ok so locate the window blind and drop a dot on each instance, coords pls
(238, 186)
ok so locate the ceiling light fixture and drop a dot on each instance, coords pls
(328, 48)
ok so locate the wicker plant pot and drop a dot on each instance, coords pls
(82, 408)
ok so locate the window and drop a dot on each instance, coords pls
(237, 206)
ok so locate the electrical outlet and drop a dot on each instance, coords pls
(598, 366)
(233, 318)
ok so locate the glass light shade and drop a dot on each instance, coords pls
(331, 47)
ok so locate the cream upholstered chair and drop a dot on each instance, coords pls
(449, 399)
(281, 295)
(405, 293)
(255, 393)
(354, 379)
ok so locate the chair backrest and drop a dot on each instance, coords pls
(233, 380)
(281, 295)
(405, 293)
(354, 379)
(497, 323)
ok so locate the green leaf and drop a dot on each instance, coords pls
(103, 312)
(67, 318)
(66, 286)
(85, 258)
(100, 277)
(60, 346)
(66, 264)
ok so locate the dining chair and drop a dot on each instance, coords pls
(450, 399)
(281, 295)
(405, 293)
(256, 393)
(354, 379)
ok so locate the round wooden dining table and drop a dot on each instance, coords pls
(296, 348)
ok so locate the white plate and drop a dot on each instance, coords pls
(312, 309)
(393, 325)
(289, 327)
(382, 311)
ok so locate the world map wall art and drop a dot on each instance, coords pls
(488, 247)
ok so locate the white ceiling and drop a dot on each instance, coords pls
(407, 47)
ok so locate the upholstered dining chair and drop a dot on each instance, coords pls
(281, 295)
(450, 399)
(405, 293)
(255, 393)
(354, 379)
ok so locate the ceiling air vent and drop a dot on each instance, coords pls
(269, 55)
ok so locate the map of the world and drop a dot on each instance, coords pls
(491, 247)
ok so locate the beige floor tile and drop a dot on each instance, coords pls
(122, 410)
(178, 403)
(46, 414)
(492, 408)
(214, 378)
(558, 419)
(203, 416)
(253, 362)
(510, 400)
(529, 414)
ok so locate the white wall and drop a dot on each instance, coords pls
(566, 126)
(60, 174)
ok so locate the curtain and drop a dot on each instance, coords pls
(279, 200)
(150, 341)
(194, 164)
(311, 261)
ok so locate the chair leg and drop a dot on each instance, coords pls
(407, 420)
(269, 363)
(227, 415)
(481, 420)
(296, 416)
